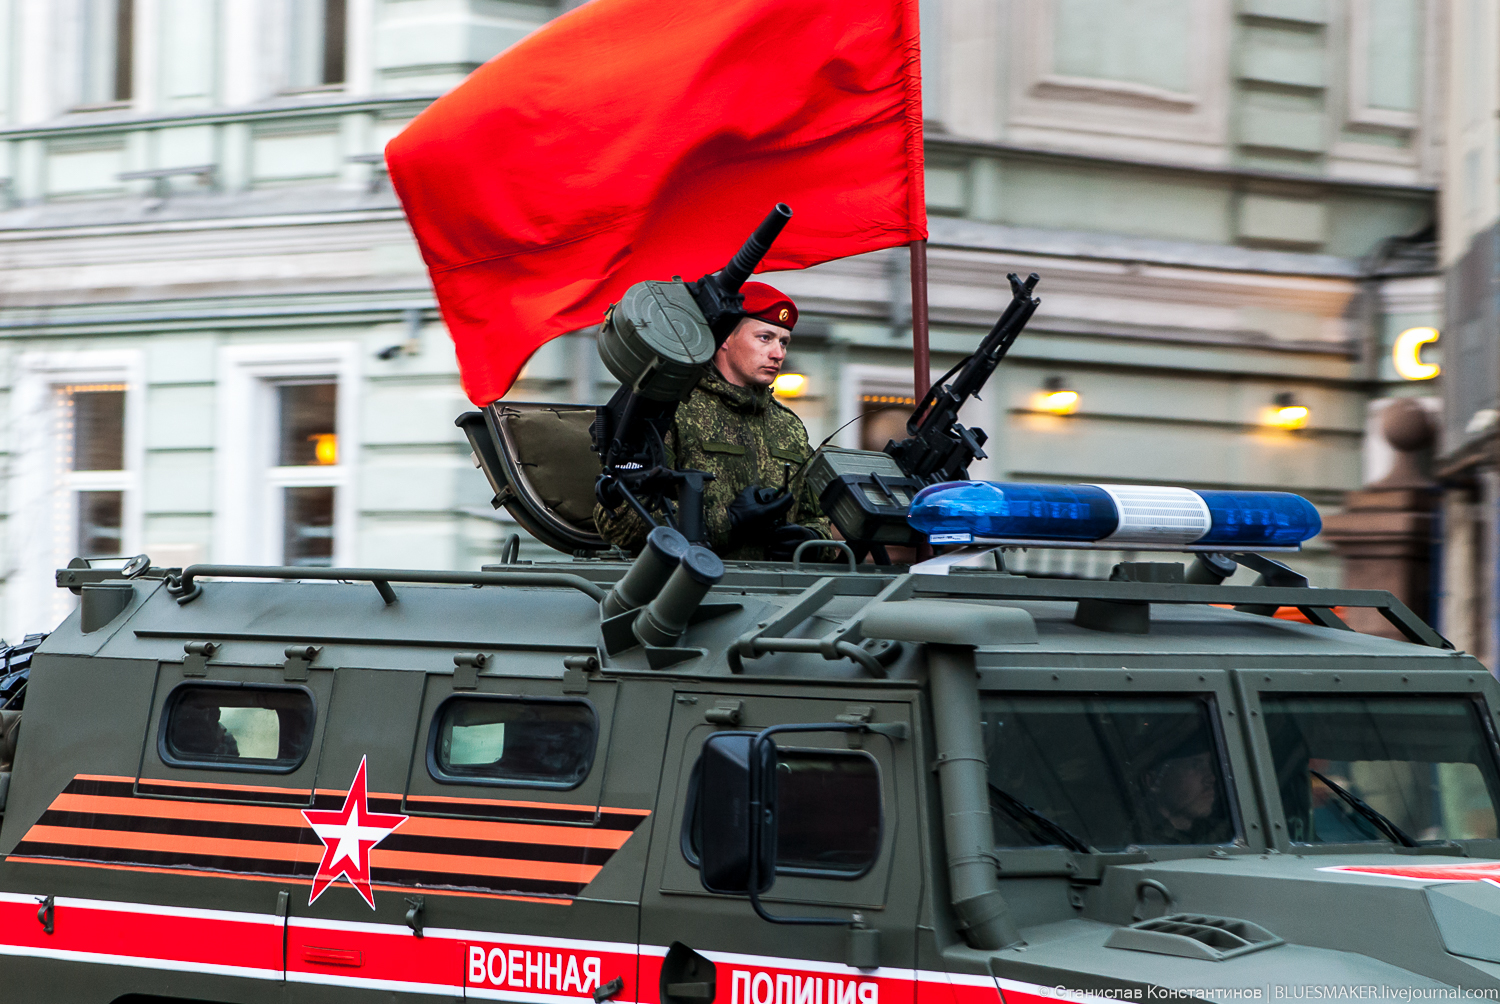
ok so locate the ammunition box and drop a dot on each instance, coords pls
(865, 493)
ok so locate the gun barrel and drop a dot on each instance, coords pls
(747, 257)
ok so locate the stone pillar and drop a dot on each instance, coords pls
(1384, 534)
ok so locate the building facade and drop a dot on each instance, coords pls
(219, 342)
(1469, 461)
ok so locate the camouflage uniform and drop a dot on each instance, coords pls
(742, 436)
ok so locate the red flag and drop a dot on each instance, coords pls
(636, 139)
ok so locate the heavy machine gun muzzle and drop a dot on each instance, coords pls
(658, 341)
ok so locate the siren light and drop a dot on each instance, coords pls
(1131, 516)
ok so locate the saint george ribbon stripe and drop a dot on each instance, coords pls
(89, 811)
(429, 835)
(247, 794)
(381, 857)
(100, 820)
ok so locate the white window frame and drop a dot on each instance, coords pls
(90, 46)
(296, 46)
(859, 379)
(43, 511)
(247, 514)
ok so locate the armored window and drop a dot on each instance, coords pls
(236, 727)
(1106, 771)
(828, 818)
(529, 742)
(1426, 764)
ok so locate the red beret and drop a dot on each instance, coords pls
(769, 304)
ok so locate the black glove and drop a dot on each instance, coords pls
(784, 540)
(755, 512)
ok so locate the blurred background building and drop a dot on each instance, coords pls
(1469, 460)
(217, 340)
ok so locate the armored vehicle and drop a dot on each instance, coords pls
(247, 784)
(670, 781)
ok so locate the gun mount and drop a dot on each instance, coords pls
(867, 494)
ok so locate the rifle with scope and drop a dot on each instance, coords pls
(658, 341)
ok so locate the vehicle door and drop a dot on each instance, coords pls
(360, 917)
(507, 818)
(212, 814)
(848, 844)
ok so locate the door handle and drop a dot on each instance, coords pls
(692, 991)
(604, 993)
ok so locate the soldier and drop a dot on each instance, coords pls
(758, 507)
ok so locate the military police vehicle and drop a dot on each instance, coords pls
(670, 781)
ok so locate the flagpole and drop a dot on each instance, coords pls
(921, 354)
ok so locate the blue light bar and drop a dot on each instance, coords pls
(1113, 515)
(1259, 518)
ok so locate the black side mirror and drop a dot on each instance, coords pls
(737, 813)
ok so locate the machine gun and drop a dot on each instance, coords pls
(658, 341)
(867, 494)
(937, 448)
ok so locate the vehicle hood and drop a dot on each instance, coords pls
(1368, 927)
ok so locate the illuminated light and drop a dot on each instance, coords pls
(325, 448)
(90, 387)
(789, 385)
(1291, 416)
(1057, 402)
(1116, 515)
(1406, 354)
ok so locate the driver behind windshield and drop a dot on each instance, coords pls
(1184, 798)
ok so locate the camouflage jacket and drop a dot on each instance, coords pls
(742, 436)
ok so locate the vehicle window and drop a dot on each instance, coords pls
(1105, 771)
(827, 812)
(1424, 763)
(242, 728)
(512, 740)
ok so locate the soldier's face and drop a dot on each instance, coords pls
(753, 353)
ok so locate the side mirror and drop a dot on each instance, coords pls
(737, 813)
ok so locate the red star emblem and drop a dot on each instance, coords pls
(348, 834)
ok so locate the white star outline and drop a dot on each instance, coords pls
(348, 835)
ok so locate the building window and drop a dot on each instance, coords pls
(307, 451)
(316, 43)
(287, 447)
(74, 470)
(90, 459)
(108, 38)
(883, 418)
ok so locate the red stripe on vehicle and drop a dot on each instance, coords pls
(184, 940)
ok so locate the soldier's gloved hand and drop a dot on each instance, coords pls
(755, 512)
(784, 540)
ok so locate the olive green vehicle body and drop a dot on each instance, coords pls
(763, 651)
